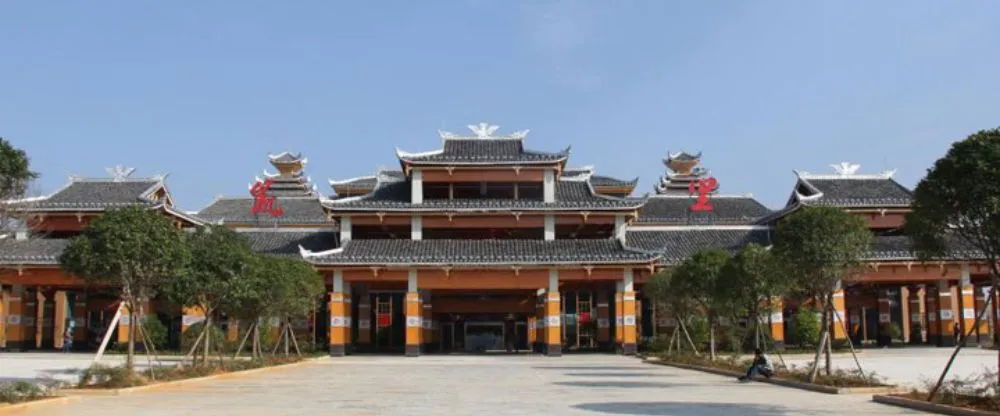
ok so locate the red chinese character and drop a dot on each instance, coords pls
(262, 202)
(703, 188)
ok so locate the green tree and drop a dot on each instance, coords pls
(956, 210)
(254, 299)
(749, 282)
(296, 293)
(805, 328)
(15, 177)
(219, 262)
(134, 248)
(819, 246)
(698, 278)
(672, 302)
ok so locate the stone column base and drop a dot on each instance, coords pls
(337, 351)
(553, 350)
(629, 349)
(412, 351)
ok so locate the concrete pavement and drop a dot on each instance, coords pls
(474, 385)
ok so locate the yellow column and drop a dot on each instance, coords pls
(123, 325)
(191, 315)
(39, 320)
(946, 314)
(413, 313)
(840, 309)
(983, 331)
(629, 321)
(336, 308)
(233, 329)
(968, 308)
(59, 320)
(532, 331)
(777, 319)
(15, 318)
(553, 315)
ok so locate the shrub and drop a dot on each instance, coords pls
(805, 329)
(895, 332)
(20, 391)
(109, 377)
(155, 330)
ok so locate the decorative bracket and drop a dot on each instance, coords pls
(375, 270)
(517, 270)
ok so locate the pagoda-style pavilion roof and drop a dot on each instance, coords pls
(570, 195)
(848, 189)
(679, 243)
(237, 211)
(31, 251)
(286, 157)
(483, 149)
(285, 242)
(290, 181)
(726, 210)
(479, 253)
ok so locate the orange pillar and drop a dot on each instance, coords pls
(967, 306)
(15, 318)
(916, 323)
(603, 320)
(777, 320)
(337, 324)
(619, 322)
(629, 321)
(59, 320)
(553, 312)
(984, 326)
(413, 315)
(946, 315)
(931, 298)
(840, 314)
(532, 331)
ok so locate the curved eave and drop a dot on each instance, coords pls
(558, 161)
(333, 206)
(577, 264)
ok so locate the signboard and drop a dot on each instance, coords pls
(413, 322)
(884, 318)
(969, 313)
(914, 317)
(703, 188)
(262, 202)
(946, 314)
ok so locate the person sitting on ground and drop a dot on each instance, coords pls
(761, 365)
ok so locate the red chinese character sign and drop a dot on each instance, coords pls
(704, 188)
(262, 202)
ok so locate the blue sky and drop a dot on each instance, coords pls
(204, 90)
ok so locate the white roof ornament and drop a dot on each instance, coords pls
(520, 134)
(846, 168)
(270, 175)
(120, 173)
(483, 130)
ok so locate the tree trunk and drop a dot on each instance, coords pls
(288, 333)
(130, 360)
(756, 335)
(208, 338)
(194, 348)
(850, 344)
(243, 342)
(295, 342)
(961, 343)
(670, 344)
(824, 337)
(256, 340)
(829, 339)
(281, 336)
(711, 341)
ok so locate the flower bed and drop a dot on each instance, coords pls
(838, 378)
(980, 393)
(105, 377)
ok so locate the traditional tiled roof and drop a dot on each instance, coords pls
(32, 251)
(96, 195)
(900, 248)
(287, 158)
(726, 210)
(569, 195)
(237, 211)
(483, 151)
(848, 189)
(679, 243)
(291, 186)
(286, 241)
(365, 184)
(479, 252)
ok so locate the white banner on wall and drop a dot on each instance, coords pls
(946, 314)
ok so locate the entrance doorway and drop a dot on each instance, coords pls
(484, 336)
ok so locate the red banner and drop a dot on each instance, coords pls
(584, 317)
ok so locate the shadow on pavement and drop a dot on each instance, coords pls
(626, 375)
(683, 409)
(620, 384)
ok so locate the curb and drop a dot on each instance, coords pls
(921, 405)
(10, 408)
(787, 383)
(130, 390)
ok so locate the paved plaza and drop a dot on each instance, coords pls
(476, 385)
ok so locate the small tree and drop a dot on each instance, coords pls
(15, 178)
(749, 281)
(255, 297)
(219, 262)
(805, 328)
(672, 302)
(956, 211)
(296, 293)
(820, 246)
(134, 248)
(697, 278)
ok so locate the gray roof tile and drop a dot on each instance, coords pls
(677, 245)
(484, 151)
(727, 210)
(471, 252)
(237, 211)
(855, 192)
(98, 194)
(395, 196)
(286, 242)
(39, 251)
(900, 248)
